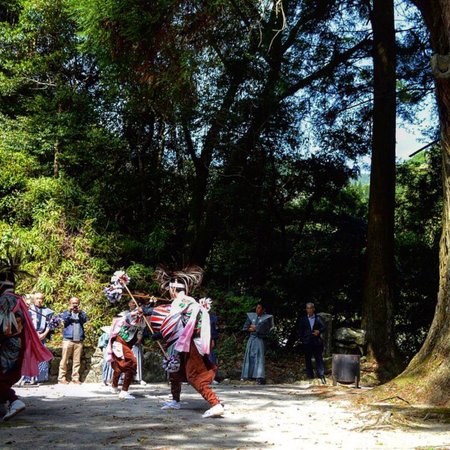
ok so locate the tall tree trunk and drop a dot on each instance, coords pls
(427, 377)
(199, 223)
(377, 314)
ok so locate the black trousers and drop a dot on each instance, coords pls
(316, 351)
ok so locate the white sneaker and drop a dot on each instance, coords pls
(143, 383)
(13, 409)
(172, 404)
(114, 390)
(124, 395)
(215, 411)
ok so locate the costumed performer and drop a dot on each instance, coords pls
(258, 324)
(137, 347)
(21, 350)
(186, 331)
(41, 317)
(124, 334)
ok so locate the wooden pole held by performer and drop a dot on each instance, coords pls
(145, 319)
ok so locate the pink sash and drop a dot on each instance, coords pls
(35, 351)
(183, 303)
(115, 328)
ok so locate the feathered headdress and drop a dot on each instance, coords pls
(188, 278)
(10, 267)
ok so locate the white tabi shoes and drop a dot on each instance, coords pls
(13, 409)
(216, 411)
(172, 404)
(124, 395)
(114, 390)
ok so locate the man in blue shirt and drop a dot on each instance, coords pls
(73, 336)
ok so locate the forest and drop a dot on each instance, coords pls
(255, 138)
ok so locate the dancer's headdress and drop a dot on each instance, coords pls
(10, 268)
(187, 279)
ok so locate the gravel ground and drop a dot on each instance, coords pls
(295, 416)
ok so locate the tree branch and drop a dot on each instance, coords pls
(335, 61)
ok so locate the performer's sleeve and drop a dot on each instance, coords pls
(83, 317)
(247, 323)
(263, 328)
(147, 310)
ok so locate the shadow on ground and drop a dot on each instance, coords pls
(88, 416)
(256, 417)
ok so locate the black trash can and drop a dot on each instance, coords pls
(345, 369)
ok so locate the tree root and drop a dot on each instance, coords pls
(395, 397)
(407, 417)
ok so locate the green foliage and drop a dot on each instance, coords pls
(418, 225)
(138, 133)
(141, 278)
(230, 351)
(62, 267)
(231, 309)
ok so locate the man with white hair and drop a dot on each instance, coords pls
(310, 329)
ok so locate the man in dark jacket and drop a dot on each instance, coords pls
(310, 329)
(73, 336)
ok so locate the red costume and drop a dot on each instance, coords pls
(20, 347)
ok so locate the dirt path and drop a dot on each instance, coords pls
(257, 417)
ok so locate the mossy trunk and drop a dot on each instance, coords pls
(427, 377)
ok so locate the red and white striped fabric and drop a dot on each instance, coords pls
(172, 327)
(158, 315)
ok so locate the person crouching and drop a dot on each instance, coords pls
(124, 335)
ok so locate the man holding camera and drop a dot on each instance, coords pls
(73, 336)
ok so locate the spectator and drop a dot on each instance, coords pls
(73, 336)
(258, 324)
(103, 346)
(214, 339)
(310, 329)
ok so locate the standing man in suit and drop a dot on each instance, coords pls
(310, 329)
